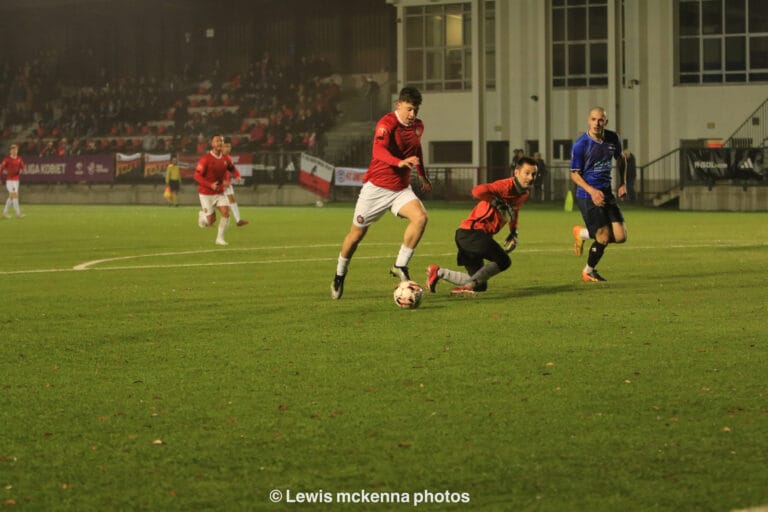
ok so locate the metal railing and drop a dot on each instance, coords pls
(753, 132)
(659, 176)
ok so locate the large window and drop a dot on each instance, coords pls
(722, 41)
(579, 43)
(438, 47)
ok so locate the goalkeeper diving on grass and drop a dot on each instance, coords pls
(499, 205)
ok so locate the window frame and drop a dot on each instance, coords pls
(575, 47)
(435, 65)
(714, 50)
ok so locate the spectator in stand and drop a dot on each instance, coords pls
(257, 134)
(149, 141)
(48, 149)
(371, 93)
(201, 144)
(63, 147)
(180, 115)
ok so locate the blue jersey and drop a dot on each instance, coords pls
(592, 159)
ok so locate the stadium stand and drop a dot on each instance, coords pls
(268, 107)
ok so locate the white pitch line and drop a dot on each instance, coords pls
(92, 265)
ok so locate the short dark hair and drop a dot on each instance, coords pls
(410, 95)
(525, 160)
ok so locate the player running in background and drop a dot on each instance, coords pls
(499, 205)
(211, 175)
(591, 162)
(387, 186)
(10, 169)
(226, 148)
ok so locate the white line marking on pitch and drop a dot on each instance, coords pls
(92, 265)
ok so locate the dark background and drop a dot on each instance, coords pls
(92, 40)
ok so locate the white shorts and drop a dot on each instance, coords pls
(229, 191)
(12, 186)
(211, 202)
(374, 201)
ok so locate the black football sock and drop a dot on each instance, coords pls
(595, 253)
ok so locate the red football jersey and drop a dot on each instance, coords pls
(12, 167)
(210, 169)
(392, 143)
(485, 217)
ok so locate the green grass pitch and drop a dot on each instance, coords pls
(144, 368)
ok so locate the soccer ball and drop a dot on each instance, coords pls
(408, 294)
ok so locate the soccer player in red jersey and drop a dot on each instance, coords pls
(212, 175)
(387, 186)
(499, 205)
(10, 168)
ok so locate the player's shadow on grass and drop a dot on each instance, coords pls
(535, 291)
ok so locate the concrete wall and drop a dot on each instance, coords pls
(725, 198)
(260, 195)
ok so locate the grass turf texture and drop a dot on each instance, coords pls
(175, 375)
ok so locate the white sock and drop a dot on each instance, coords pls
(341, 266)
(7, 205)
(235, 211)
(588, 269)
(453, 276)
(404, 256)
(223, 225)
(15, 203)
(584, 234)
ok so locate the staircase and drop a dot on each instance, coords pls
(661, 179)
(753, 132)
(348, 144)
(667, 197)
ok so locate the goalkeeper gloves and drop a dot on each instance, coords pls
(510, 243)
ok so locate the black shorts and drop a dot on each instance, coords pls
(175, 185)
(596, 217)
(477, 246)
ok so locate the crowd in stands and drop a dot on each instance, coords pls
(269, 106)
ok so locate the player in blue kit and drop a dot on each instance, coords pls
(591, 162)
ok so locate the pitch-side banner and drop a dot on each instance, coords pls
(69, 169)
(707, 165)
(155, 165)
(349, 176)
(128, 166)
(187, 164)
(244, 163)
(316, 175)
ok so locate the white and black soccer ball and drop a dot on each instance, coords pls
(408, 294)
